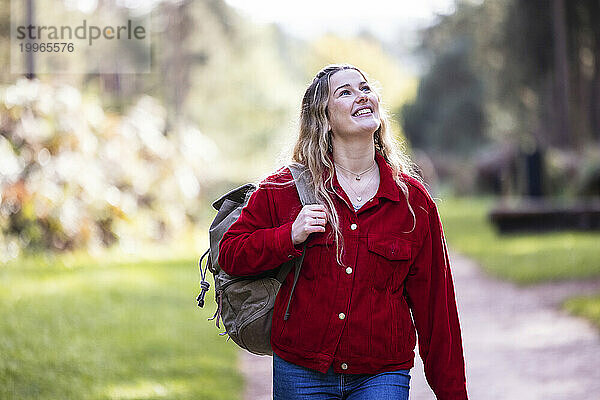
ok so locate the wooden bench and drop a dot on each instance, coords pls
(533, 215)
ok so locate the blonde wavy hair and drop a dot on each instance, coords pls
(314, 146)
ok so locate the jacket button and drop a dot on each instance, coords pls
(341, 315)
(348, 270)
(353, 227)
(344, 366)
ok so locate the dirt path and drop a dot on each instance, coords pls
(518, 345)
(258, 374)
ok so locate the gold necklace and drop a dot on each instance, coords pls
(359, 174)
(358, 196)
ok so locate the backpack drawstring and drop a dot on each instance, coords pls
(217, 314)
(204, 285)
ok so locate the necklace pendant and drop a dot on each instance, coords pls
(358, 177)
(359, 198)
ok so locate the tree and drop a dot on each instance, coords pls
(448, 114)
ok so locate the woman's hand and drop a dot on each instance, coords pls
(312, 218)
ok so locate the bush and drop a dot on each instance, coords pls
(73, 176)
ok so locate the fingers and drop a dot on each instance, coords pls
(314, 221)
(314, 228)
(314, 207)
(314, 211)
(312, 218)
(320, 216)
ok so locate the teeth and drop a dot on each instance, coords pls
(363, 111)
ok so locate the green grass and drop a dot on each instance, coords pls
(585, 306)
(522, 258)
(114, 330)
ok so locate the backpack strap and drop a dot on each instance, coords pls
(303, 181)
(301, 176)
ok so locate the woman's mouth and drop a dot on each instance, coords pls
(362, 112)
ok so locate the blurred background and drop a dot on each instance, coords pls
(106, 180)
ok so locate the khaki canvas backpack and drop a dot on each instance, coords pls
(245, 303)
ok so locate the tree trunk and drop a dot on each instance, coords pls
(176, 66)
(561, 75)
(30, 65)
(594, 11)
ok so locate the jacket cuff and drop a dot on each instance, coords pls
(283, 238)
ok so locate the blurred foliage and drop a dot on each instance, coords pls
(91, 160)
(506, 79)
(72, 175)
(247, 96)
(448, 114)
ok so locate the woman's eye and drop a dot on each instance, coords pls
(344, 92)
(365, 89)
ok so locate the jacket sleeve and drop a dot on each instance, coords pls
(252, 244)
(430, 294)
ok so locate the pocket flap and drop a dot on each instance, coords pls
(390, 247)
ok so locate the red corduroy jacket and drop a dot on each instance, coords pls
(357, 316)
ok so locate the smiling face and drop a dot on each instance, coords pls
(352, 107)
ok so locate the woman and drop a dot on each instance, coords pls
(375, 253)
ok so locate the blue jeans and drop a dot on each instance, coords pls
(292, 382)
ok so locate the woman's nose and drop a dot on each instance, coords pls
(361, 98)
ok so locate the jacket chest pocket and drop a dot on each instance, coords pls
(388, 255)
